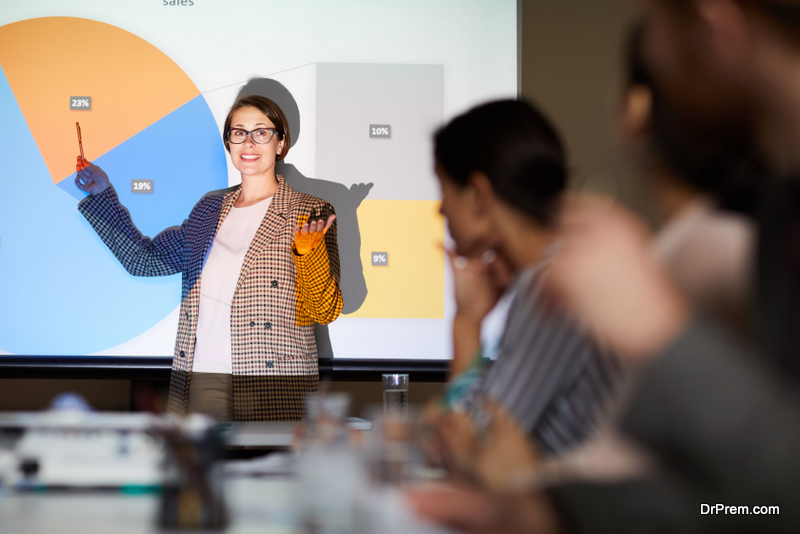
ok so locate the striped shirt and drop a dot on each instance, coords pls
(549, 374)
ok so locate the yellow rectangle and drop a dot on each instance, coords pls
(411, 285)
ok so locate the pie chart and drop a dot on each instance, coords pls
(143, 121)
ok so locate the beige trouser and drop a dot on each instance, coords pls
(212, 394)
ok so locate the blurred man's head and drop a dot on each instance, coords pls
(697, 55)
(716, 157)
(730, 62)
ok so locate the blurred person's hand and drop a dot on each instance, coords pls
(430, 441)
(500, 456)
(478, 283)
(90, 178)
(478, 511)
(606, 276)
(308, 234)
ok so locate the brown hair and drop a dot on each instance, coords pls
(273, 113)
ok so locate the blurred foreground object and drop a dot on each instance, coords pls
(78, 449)
(192, 496)
(349, 481)
(493, 451)
(329, 473)
(74, 449)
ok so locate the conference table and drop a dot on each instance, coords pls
(262, 495)
(264, 504)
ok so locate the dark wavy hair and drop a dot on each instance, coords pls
(515, 146)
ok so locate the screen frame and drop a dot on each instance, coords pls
(158, 368)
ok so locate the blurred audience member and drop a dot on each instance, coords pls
(501, 169)
(725, 420)
(703, 199)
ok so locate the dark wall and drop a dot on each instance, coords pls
(572, 68)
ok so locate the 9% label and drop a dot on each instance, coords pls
(380, 258)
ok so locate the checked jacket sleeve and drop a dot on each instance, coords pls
(140, 255)
(319, 297)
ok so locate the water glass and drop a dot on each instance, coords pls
(395, 394)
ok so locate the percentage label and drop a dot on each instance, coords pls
(80, 103)
(380, 258)
(141, 186)
(380, 130)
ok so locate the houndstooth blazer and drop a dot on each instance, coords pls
(278, 298)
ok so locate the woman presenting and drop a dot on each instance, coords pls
(269, 265)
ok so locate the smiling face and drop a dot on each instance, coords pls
(253, 159)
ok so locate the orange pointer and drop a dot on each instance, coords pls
(82, 163)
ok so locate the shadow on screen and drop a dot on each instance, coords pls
(345, 201)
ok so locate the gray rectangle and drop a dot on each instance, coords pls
(80, 103)
(380, 258)
(141, 186)
(410, 98)
(380, 130)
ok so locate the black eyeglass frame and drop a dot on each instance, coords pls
(250, 134)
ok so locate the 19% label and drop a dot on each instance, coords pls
(141, 186)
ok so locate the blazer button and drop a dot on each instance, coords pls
(274, 284)
(183, 354)
(252, 323)
(268, 325)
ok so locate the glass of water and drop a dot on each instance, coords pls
(395, 394)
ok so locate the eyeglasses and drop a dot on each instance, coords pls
(262, 136)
